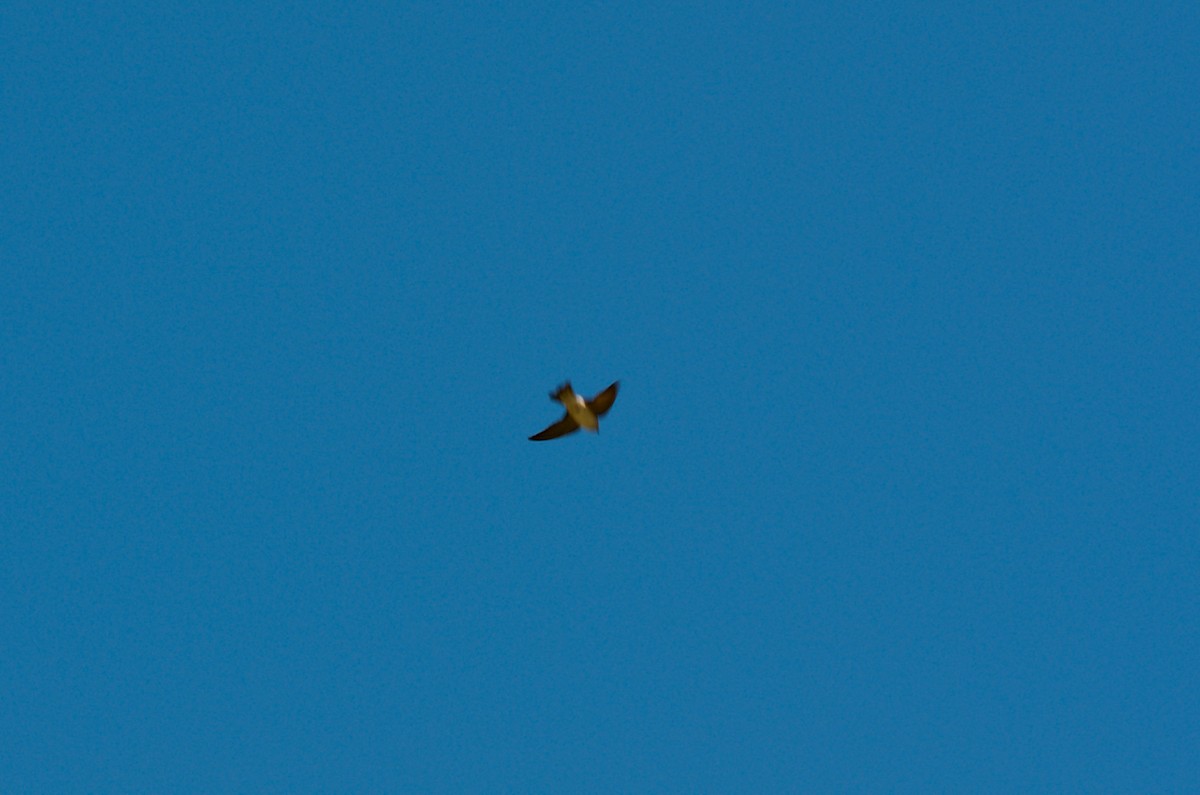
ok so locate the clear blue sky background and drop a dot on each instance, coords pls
(900, 493)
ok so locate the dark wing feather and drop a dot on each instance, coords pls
(560, 428)
(601, 403)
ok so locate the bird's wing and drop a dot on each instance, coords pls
(560, 428)
(603, 402)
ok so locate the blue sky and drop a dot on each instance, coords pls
(900, 493)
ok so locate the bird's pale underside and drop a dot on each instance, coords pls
(581, 412)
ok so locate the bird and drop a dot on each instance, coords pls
(581, 413)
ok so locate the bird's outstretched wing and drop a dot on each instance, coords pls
(560, 428)
(602, 402)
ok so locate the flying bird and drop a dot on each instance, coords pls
(581, 413)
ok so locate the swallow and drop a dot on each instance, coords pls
(581, 413)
